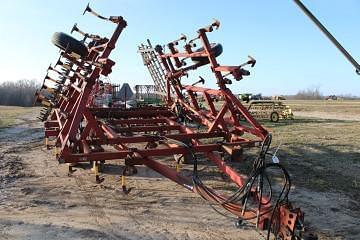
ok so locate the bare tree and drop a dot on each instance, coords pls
(309, 94)
(19, 93)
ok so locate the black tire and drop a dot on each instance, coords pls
(274, 117)
(216, 48)
(67, 42)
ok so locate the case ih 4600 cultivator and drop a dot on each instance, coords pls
(141, 136)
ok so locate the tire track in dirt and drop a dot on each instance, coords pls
(96, 211)
(139, 225)
(46, 163)
(157, 231)
(3, 233)
(146, 228)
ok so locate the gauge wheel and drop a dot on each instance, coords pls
(274, 117)
(67, 42)
(216, 48)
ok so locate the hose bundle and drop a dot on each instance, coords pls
(253, 190)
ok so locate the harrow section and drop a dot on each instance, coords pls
(183, 126)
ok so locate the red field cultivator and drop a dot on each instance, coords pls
(182, 127)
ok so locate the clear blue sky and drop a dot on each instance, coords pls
(292, 54)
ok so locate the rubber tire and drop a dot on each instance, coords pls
(67, 42)
(216, 48)
(274, 117)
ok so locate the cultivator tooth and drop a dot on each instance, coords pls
(43, 100)
(65, 66)
(95, 169)
(123, 181)
(52, 80)
(55, 151)
(65, 72)
(123, 185)
(128, 170)
(47, 143)
(71, 169)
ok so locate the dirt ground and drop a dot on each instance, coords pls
(39, 201)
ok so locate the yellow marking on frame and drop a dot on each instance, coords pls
(96, 168)
(123, 180)
(178, 167)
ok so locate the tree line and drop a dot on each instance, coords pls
(18, 93)
(316, 94)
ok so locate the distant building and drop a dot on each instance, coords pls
(125, 93)
(278, 97)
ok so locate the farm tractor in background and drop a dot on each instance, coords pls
(85, 132)
(247, 97)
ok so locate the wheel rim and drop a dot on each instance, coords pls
(274, 117)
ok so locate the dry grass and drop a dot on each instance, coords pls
(322, 155)
(325, 106)
(321, 150)
(346, 107)
(9, 114)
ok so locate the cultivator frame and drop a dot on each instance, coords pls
(153, 64)
(140, 135)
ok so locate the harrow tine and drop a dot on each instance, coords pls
(89, 9)
(202, 81)
(114, 19)
(181, 38)
(75, 28)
